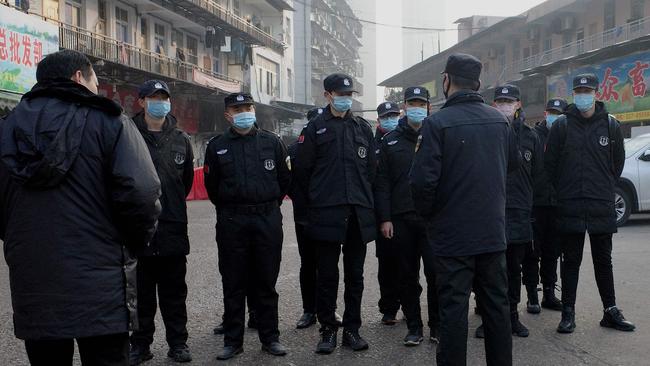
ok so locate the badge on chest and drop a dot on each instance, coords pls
(269, 164)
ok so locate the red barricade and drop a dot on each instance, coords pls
(198, 191)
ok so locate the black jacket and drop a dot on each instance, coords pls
(171, 152)
(458, 178)
(79, 192)
(246, 170)
(544, 193)
(521, 182)
(297, 192)
(392, 191)
(337, 164)
(583, 163)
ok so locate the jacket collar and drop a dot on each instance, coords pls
(69, 91)
(464, 96)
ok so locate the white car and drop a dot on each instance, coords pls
(633, 188)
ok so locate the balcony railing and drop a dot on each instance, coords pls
(108, 49)
(624, 33)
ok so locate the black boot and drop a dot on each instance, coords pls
(327, 343)
(353, 340)
(568, 323)
(549, 301)
(613, 318)
(532, 306)
(139, 354)
(306, 321)
(414, 337)
(518, 329)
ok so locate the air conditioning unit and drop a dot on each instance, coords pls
(568, 23)
(533, 34)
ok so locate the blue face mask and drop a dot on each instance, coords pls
(342, 103)
(584, 102)
(551, 118)
(389, 123)
(244, 120)
(416, 114)
(158, 108)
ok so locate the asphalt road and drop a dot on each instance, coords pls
(589, 345)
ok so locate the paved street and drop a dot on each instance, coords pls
(589, 345)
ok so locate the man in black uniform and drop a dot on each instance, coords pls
(247, 176)
(545, 238)
(403, 229)
(162, 264)
(458, 180)
(585, 156)
(337, 165)
(387, 253)
(519, 204)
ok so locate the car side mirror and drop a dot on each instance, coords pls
(646, 155)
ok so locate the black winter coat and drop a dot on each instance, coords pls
(458, 178)
(79, 192)
(171, 152)
(544, 193)
(584, 169)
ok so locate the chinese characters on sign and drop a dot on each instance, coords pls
(21, 48)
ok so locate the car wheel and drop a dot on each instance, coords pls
(623, 206)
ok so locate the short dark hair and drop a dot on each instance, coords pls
(63, 65)
(464, 83)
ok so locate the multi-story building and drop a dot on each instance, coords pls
(203, 48)
(543, 48)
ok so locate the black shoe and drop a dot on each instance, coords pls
(532, 306)
(306, 321)
(434, 337)
(549, 301)
(568, 322)
(139, 354)
(389, 319)
(275, 349)
(219, 329)
(180, 354)
(339, 319)
(480, 332)
(229, 352)
(613, 318)
(252, 320)
(413, 338)
(518, 329)
(353, 340)
(327, 343)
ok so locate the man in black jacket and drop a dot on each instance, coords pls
(79, 193)
(458, 180)
(584, 157)
(401, 227)
(544, 232)
(337, 165)
(247, 176)
(162, 264)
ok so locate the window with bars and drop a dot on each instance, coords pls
(193, 50)
(121, 24)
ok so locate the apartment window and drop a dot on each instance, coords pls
(637, 9)
(72, 12)
(101, 15)
(267, 76)
(121, 24)
(567, 38)
(236, 8)
(287, 30)
(610, 14)
(159, 38)
(548, 44)
(193, 50)
(289, 83)
(144, 33)
(177, 36)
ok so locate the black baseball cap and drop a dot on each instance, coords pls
(416, 92)
(586, 81)
(556, 104)
(464, 65)
(387, 108)
(340, 83)
(151, 87)
(314, 112)
(508, 91)
(235, 99)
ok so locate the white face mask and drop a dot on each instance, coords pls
(507, 109)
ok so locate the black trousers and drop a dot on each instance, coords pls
(547, 241)
(454, 279)
(601, 252)
(515, 257)
(109, 350)
(354, 257)
(166, 276)
(410, 237)
(308, 269)
(250, 247)
(388, 275)
(530, 265)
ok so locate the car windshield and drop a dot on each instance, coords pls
(634, 145)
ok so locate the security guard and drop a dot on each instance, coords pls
(387, 253)
(519, 204)
(401, 227)
(337, 164)
(585, 156)
(458, 180)
(544, 232)
(246, 176)
(162, 264)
